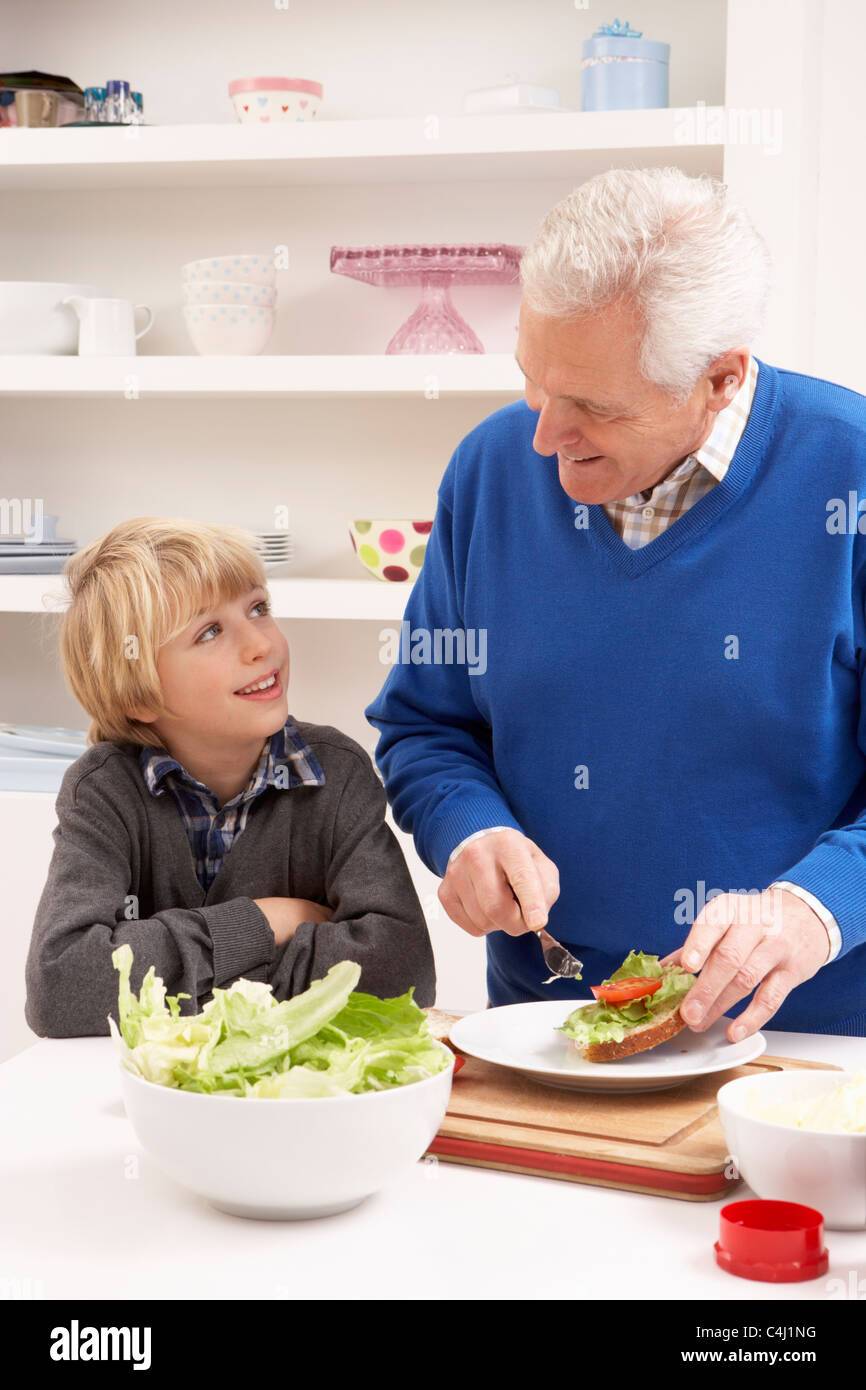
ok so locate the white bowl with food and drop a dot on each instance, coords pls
(219, 330)
(286, 1159)
(280, 1109)
(794, 1137)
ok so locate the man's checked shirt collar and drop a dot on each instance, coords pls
(643, 516)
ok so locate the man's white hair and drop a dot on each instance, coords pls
(687, 258)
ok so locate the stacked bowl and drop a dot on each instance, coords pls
(229, 303)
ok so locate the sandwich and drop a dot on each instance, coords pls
(636, 1009)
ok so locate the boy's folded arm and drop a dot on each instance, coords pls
(82, 917)
(377, 918)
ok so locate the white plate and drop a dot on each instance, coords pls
(524, 1038)
(68, 743)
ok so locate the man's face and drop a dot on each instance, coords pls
(582, 379)
(201, 670)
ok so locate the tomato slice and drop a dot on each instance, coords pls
(622, 990)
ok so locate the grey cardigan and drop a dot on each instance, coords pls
(122, 871)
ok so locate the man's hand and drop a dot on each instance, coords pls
(285, 915)
(501, 882)
(774, 941)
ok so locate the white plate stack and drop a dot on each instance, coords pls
(275, 547)
(230, 304)
(21, 556)
(34, 758)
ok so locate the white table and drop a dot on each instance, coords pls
(86, 1215)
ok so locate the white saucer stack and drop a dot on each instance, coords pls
(275, 547)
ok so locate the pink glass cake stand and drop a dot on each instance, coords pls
(435, 326)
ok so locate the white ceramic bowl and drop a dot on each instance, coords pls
(228, 292)
(220, 330)
(285, 1159)
(34, 319)
(817, 1168)
(268, 100)
(251, 270)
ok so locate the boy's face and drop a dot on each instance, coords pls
(222, 651)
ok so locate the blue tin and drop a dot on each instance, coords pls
(622, 71)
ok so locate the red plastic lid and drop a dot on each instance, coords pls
(779, 1242)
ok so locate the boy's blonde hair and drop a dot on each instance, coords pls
(133, 590)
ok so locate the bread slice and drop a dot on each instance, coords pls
(665, 1025)
(440, 1025)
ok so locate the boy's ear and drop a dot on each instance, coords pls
(142, 714)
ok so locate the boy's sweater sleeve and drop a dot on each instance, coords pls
(377, 918)
(71, 982)
(434, 750)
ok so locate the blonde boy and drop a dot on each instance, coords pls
(204, 825)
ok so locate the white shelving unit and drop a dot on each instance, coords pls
(495, 374)
(445, 149)
(336, 152)
(343, 599)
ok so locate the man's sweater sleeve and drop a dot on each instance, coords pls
(80, 920)
(434, 750)
(377, 918)
(834, 870)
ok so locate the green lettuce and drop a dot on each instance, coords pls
(330, 1040)
(600, 1022)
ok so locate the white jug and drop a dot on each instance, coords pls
(107, 326)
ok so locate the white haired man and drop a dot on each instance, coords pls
(666, 749)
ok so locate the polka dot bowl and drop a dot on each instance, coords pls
(228, 330)
(251, 270)
(228, 292)
(391, 550)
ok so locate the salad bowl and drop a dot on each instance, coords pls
(286, 1158)
(280, 1110)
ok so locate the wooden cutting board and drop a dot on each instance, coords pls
(668, 1143)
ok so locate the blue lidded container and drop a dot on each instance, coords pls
(622, 71)
(118, 102)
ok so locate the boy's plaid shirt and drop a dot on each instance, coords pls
(286, 761)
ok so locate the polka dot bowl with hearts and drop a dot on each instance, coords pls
(266, 100)
(391, 550)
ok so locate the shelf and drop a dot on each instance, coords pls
(478, 374)
(346, 599)
(418, 149)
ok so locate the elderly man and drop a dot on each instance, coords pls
(665, 748)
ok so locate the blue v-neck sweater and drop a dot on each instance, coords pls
(662, 722)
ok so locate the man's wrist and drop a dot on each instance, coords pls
(831, 926)
(476, 835)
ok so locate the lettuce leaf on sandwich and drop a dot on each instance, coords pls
(602, 1022)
